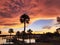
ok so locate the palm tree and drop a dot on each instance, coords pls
(18, 34)
(29, 32)
(11, 31)
(24, 19)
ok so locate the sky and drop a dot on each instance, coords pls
(42, 13)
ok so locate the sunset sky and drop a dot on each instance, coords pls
(42, 13)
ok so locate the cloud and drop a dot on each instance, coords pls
(9, 24)
(47, 27)
(10, 9)
(5, 15)
(51, 3)
(32, 7)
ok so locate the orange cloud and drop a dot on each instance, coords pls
(11, 10)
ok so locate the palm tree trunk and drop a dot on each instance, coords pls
(24, 31)
(24, 26)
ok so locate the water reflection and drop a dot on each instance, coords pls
(27, 40)
(4, 41)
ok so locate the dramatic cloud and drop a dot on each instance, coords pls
(11, 10)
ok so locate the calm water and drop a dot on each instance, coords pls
(27, 40)
(3, 41)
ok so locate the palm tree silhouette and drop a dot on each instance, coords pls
(10, 31)
(29, 32)
(24, 19)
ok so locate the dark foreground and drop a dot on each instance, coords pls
(39, 43)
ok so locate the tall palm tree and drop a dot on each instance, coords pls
(11, 31)
(24, 19)
(29, 32)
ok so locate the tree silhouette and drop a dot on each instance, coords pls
(18, 34)
(0, 32)
(24, 35)
(10, 31)
(57, 30)
(24, 19)
(29, 32)
(49, 35)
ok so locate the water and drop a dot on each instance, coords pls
(3, 41)
(32, 40)
(27, 40)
